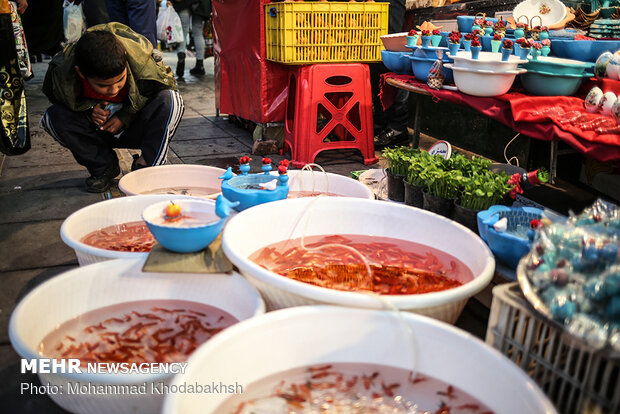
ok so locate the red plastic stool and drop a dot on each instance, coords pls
(329, 106)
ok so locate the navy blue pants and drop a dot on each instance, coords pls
(150, 131)
(140, 15)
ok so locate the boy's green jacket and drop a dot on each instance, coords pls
(146, 75)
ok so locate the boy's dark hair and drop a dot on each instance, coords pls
(99, 54)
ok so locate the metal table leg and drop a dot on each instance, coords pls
(416, 121)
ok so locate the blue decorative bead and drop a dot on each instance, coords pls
(609, 252)
(612, 284)
(613, 307)
(544, 267)
(594, 289)
(562, 308)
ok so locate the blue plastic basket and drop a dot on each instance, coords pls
(511, 245)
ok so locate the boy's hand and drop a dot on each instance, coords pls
(112, 125)
(100, 115)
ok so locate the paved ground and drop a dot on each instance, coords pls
(39, 189)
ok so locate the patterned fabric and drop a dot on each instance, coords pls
(14, 131)
(20, 43)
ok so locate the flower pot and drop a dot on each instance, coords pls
(519, 33)
(475, 51)
(467, 45)
(426, 41)
(439, 205)
(535, 53)
(435, 39)
(523, 52)
(465, 216)
(501, 32)
(453, 48)
(395, 186)
(545, 50)
(495, 45)
(544, 35)
(475, 27)
(488, 31)
(414, 194)
(412, 40)
(506, 54)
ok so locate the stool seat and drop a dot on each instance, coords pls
(329, 106)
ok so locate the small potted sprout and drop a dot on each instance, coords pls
(398, 168)
(426, 38)
(536, 50)
(467, 41)
(500, 27)
(478, 23)
(520, 30)
(507, 46)
(454, 42)
(435, 37)
(488, 28)
(546, 47)
(524, 47)
(496, 43)
(412, 37)
(475, 48)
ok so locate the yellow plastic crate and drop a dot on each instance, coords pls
(320, 32)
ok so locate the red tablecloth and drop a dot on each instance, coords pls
(523, 113)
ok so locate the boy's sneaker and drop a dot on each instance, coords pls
(103, 182)
(135, 165)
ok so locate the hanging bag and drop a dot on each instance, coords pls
(169, 28)
(14, 130)
(23, 58)
(73, 21)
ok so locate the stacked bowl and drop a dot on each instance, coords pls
(486, 76)
(423, 58)
(550, 76)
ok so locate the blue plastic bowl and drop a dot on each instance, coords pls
(584, 50)
(421, 67)
(183, 239)
(397, 62)
(507, 247)
(431, 53)
(464, 23)
(558, 66)
(551, 84)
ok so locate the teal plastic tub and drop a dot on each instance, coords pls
(557, 65)
(551, 84)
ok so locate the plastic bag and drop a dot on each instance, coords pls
(169, 27)
(73, 21)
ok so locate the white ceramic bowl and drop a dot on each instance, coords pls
(103, 214)
(395, 42)
(108, 283)
(551, 12)
(483, 82)
(486, 61)
(317, 181)
(281, 220)
(318, 335)
(183, 177)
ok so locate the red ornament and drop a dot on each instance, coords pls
(285, 163)
(282, 169)
(244, 160)
(266, 161)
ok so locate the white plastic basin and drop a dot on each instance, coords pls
(103, 214)
(107, 283)
(281, 220)
(319, 182)
(483, 82)
(181, 177)
(395, 42)
(486, 61)
(319, 335)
